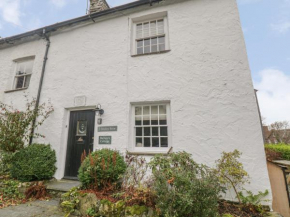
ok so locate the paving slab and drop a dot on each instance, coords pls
(34, 209)
(62, 185)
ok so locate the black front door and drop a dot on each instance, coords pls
(80, 139)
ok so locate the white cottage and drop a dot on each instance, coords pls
(168, 75)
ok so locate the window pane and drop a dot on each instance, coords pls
(138, 120)
(19, 82)
(155, 131)
(147, 49)
(146, 30)
(147, 42)
(155, 141)
(146, 110)
(139, 131)
(138, 110)
(139, 30)
(27, 80)
(146, 120)
(147, 131)
(29, 65)
(161, 47)
(164, 142)
(162, 120)
(140, 43)
(154, 109)
(161, 40)
(154, 119)
(140, 50)
(153, 28)
(147, 142)
(139, 142)
(163, 131)
(20, 68)
(154, 48)
(160, 27)
(162, 109)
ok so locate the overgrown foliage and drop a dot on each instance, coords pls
(231, 172)
(70, 200)
(9, 193)
(37, 190)
(16, 126)
(278, 151)
(33, 163)
(101, 168)
(184, 188)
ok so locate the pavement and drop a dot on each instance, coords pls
(34, 209)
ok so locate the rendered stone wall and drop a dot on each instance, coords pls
(205, 76)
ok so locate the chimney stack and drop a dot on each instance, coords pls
(98, 5)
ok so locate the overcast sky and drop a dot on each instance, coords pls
(266, 26)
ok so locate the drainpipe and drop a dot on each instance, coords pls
(40, 83)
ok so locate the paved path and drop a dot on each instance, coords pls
(34, 209)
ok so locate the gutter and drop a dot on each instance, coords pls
(40, 84)
(54, 27)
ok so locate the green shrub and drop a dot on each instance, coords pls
(33, 163)
(280, 148)
(183, 187)
(101, 168)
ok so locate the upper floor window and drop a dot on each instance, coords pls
(23, 71)
(150, 35)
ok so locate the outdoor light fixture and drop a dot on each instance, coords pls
(99, 112)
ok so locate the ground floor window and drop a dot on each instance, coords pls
(151, 125)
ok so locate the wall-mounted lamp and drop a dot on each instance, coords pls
(99, 112)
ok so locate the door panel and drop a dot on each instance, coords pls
(80, 138)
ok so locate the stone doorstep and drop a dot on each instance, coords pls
(62, 185)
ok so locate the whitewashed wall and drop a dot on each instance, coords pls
(205, 76)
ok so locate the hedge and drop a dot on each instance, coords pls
(283, 149)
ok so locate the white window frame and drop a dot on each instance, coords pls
(145, 19)
(25, 75)
(132, 134)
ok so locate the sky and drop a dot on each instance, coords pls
(265, 23)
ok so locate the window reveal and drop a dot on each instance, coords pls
(151, 126)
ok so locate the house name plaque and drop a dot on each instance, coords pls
(107, 129)
(105, 140)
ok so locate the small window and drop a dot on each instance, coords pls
(151, 126)
(150, 37)
(23, 74)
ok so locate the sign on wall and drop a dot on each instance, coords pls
(107, 129)
(105, 140)
(80, 100)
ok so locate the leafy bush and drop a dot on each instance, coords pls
(184, 188)
(16, 126)
(33, 163)
(281, 148)
(231, 172)
(101, 168)
(254, 199)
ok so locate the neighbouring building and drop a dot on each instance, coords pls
(168, 75)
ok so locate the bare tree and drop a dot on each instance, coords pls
(280, 132)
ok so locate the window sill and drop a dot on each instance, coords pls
(162, 152)
(9, 91)
(146, 54)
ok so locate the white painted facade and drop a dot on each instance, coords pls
(205, 78)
